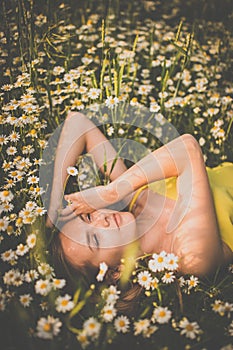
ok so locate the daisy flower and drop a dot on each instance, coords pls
(144, 279)
(154, 107)
(31, 275)
(109, 312)
(48, 327)
(168, 278)
(25, 300)
(171, 262)
(11, 150)
(92, 327)
(4, 223)
(71, 170)
(161, 315)
(111, 102)
(141, 326)
(149, 331)
(31, 240)
(58, 283)
(42, 287)
(230, 329)
(45, 269)
(6, 196)
(33, 180)
(154, 283)
(121, 324)
(8, 255)
(110, 294)
(158, 263)
(22, 249)
(189, 329)
(218, 307)
(103, 267)
(83, 339)
(93, 93)
(64, 304)
(192, 282)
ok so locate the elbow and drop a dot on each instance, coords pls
(191, 144)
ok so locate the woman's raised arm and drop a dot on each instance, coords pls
(173, 159)
(79, 134)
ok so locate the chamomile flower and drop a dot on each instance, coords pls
(230, 329)
(158, 263)
(83, 339)
(189, 329)
(4, 222)
(48, 327)
(33, 180)
(111, 102)
(144, 279)
(121, 324)
(103, 267)
(71, 170)
(31, 275)
(43, 287)
(109, 312)
(110, 294)
(168, 277)
(6, 196)
(8, 255)
(192, 282)
(64, 303)
(141, 326)
(45, 269)
(22, 249)
(161, 315)
(31, 240)
(58, 283)
(92, 327)
(93, 93)
(171, 262)
(25, 299)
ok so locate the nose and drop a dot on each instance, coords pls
(100, 219)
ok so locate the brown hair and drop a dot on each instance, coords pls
(130, 294)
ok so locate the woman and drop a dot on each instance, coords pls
(186, 225)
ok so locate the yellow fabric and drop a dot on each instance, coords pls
(221, 183)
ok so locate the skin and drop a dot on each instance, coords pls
(186, 226)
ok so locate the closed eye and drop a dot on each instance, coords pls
(85, 218)
(92, 241)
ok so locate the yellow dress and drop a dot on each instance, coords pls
(221, 183)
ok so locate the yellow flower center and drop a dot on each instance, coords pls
(47, 327)
(121, 323)
(162, 313)
(64, 302)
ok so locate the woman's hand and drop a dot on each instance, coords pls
(87, 201)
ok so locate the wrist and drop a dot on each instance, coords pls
(119, 189)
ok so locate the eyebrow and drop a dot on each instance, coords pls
(89, 241)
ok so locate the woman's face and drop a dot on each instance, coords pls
(97, 237)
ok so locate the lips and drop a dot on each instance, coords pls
(117, 219)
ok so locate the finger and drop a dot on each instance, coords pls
(67, 217)
(66, 211)
(70, 197)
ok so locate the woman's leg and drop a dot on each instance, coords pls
(79, 134)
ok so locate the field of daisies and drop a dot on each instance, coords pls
(175, 59)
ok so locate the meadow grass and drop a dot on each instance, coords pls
(102, 58)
